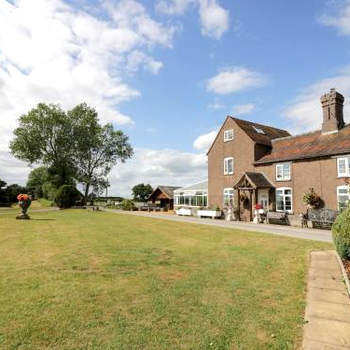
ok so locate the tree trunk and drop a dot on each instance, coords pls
(87, 187)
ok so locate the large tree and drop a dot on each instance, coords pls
(71, 145)
(45, 136)
(97, 148)
(141, 192)
(36, 179)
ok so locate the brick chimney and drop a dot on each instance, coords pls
(332, 105)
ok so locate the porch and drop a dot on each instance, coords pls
(251, 189)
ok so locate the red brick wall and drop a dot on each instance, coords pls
(241, 148)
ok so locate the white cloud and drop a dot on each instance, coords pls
(214, 18)
(234, 79)
(340, 18)
(203, 142)
(158, 167)
(216, 106)
(243, 109)
(51, 52)
(138, 58)
(173, 7)
(12, 170)
(305, 112)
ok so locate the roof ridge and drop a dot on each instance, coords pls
(248, 121)
(305, 134)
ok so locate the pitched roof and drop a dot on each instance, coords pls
(311, 145)
(260, 133)
(253, 130)
(201, 186)
(168, 190)
(256, 180)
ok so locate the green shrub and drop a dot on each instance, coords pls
(127, 204)
(341, 234)
(49, 191)
(67, 196)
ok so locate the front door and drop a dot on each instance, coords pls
(263, 198)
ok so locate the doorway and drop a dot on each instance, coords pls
(263, 198)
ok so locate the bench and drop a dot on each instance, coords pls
(322, 217)
(276, 216)
(149, 207)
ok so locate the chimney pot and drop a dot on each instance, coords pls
(332, 106)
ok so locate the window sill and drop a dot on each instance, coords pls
(228, 140)
(342, 176)
(284, 180)
(282, 211)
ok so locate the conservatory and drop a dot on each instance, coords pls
(190, 198)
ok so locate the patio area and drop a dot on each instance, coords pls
(321, 235)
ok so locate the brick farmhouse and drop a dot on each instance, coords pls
(250, 163)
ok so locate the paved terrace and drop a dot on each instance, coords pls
(327, 314)
(282, 230)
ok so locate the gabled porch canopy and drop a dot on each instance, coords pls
(252, 181)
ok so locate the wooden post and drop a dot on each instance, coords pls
(251, 204)
(239, 205)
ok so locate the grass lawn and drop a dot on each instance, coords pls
(92, 280)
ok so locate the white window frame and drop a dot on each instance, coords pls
(284, 199)
(281, 165)
(343, 187)
(347, 166)
(229, 192)
(228, 135)
(226, 161)
(258, 130)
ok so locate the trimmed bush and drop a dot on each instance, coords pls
(341, 234)
(67, 196)
(127, 204)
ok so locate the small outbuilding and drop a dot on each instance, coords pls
(163, 196)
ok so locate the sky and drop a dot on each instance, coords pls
(168, 72)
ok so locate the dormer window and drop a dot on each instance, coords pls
(228, 135)
(258, 130)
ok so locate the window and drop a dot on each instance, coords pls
(343, 197)
(228, 166)
(258, 130)
(284, 199)
(191, 198)
(228, 135)
(228, 196)
(343, 166)
(283, 172)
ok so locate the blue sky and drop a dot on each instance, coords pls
(167, 72)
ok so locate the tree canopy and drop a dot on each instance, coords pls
(45, 136)
(141, 192)
(72, 145)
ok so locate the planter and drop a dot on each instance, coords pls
(184, 212)
(24, 202)
(209, 213)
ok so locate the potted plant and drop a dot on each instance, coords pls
(24, 202)
(184, 211)
(258, 211)
(312, 200)
(210, 212)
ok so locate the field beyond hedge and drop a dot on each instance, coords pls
(74, 279)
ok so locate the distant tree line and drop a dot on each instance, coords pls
(8, 193)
